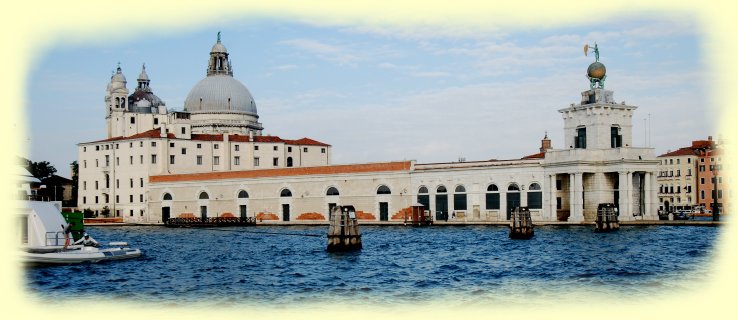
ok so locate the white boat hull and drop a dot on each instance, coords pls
(87, 254)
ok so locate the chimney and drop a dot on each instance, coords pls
(545, 143)
(162, 132)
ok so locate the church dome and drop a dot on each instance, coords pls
(218, 48)
(220, 93)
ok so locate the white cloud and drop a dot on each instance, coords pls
(334, 53)
(285, 67)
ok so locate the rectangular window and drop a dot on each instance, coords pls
(677, 161)
(460, 201)
(97, 163)
(535, 200)
(215, 146)
(275, 148)
(256, 147)
(141, 180)
(237, 160)
(84, 185)
(689, 172)
(156, 120)
(256, 162)
(216, 160)
(702, 194)
(84, 200)
(133, 120)
(131, 182)
(117, 145)
(84, 149)
(492, 201)
(130, 159)
(616, 140)
(702, 160)
(671, 161)
(107, 160)
(130, 199)
(171, 159)
(171, 144)
(141, 144)
(275, 162)
(97, 148)
(84, 164)
(679, 172)
(140, 198)
(305, 149)
(96, 184)
(199, 145)
(95, 199)
(199, 160)
(131, 214)
(580, 141)
(153, 143)
(117, 199)
(130, 144)
(558, 203)
(183, 130)
(322, 150)
(153, 159)
(689, 160)
(289, 149)
(141, 159)
(235, 147)
(117, 183)
(184, 150)
(720, 194)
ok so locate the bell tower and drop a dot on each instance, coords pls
(116, 102)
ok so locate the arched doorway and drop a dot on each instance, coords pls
(513, 199)
(166, 207)
(441, 203)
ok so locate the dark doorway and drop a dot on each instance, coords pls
(203, 212)
(424, 199)
(441, 207)
(285, 212)
(242, 209)
(164, 214)
(383, 211)
(513, 200)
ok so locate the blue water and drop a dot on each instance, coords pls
(459, 265)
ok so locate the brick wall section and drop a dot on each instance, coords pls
(361, 215)
(311, 216)
(186, 215)
(227, 215)
(284, 172)
(266, 216)
(400, 215)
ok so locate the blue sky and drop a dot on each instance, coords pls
(432, 93)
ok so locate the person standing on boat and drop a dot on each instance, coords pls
(88, 241)
(67, 234)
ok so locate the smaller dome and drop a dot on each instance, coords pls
(143, 75)
(596, 70)
(218, 48)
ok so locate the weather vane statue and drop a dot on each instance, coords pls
(596, 71)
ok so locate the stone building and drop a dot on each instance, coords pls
(211, 159)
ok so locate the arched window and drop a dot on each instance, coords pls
(492, 198)
(332, 191)
(383, 190)
(460, 198)
(513, 187)
(535, 196)
(285, 193)
(167, 196)
(243, 194)
(289, 161)
(424, 198)
(204, 196)
(441, 189)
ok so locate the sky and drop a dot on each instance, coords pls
(431, 93)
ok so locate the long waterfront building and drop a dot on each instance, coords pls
(211, 159)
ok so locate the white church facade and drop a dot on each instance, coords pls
(211, 160)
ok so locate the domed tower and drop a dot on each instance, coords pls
(143, 100)
(219, 103)
(116, 101)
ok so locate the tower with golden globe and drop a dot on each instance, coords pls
(596, 72)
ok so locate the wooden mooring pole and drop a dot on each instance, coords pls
(343, 232)
(521, 225)
(607, 218)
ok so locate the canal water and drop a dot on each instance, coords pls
(459, 265)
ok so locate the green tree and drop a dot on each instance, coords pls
(42, 169)
(75, 182)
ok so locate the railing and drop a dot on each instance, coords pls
(210, 221)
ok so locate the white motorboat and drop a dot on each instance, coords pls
(43, 239)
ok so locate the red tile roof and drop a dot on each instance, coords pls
(681, 152)
(154, 133)
(539, 155)
(285, 172)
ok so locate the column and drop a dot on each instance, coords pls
(502, 213)
(577, 211)
(552, 215)
(629, 195)
(572, 210)
(623, 204)
(651, 197)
